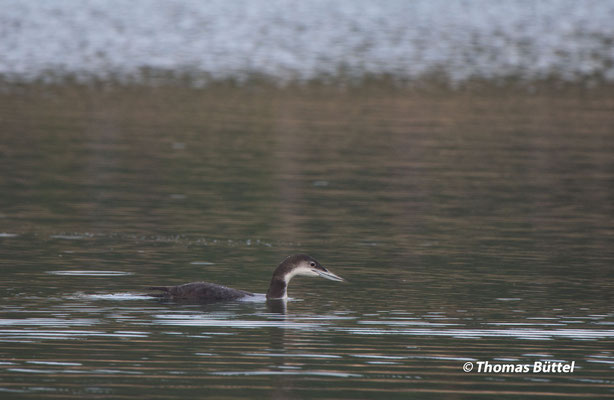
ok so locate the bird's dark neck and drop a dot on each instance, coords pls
(277, 289)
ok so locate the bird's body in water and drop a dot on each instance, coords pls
(298, 264)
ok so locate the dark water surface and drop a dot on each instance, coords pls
(470, 227)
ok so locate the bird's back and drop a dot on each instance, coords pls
(200, 291)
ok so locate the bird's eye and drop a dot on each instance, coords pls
(312, 264)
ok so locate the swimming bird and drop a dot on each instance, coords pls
(298, 264)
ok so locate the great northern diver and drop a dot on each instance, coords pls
(298, 264)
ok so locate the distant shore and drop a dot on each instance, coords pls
(282, 42)
(374, 86)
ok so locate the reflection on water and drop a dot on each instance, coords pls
(90, 273)
(469, 228)
(193, 344)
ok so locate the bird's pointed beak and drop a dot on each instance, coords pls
(329, 275)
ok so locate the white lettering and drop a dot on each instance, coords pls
(481, 365)
(549, 367)
(544, 367)
(520, 368)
